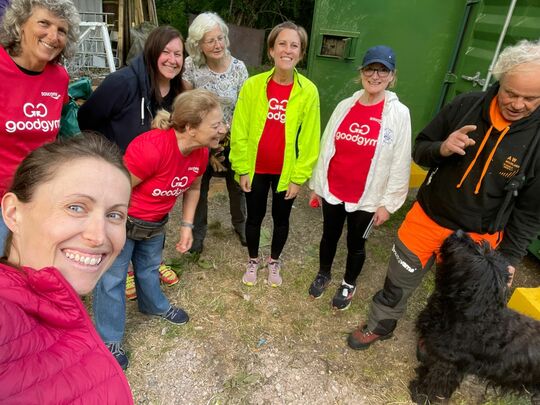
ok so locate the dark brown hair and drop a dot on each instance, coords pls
(42, 164)
(154, 45)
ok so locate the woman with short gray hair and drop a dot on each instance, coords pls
(211, 66)
(35, 37)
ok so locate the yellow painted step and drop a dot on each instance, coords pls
(526, 301)
(417, 176)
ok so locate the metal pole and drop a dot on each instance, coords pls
(108, 48)
(499, 44)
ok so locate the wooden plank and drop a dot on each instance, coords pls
(139, 12)
(120, 43)
(152, 12)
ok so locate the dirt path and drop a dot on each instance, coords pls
(263, 345)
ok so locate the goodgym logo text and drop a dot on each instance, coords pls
(35, 114)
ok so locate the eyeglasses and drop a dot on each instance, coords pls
(214, 41)
(382, 72)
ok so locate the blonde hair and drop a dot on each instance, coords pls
(189, 108)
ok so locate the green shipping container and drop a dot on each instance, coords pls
(443, 48)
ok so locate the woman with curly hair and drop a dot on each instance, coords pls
(35, 37)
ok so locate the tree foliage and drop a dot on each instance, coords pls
(172, 12)
(261, 14)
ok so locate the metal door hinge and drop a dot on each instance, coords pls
(476, 79)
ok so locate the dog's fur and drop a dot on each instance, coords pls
(466, 327)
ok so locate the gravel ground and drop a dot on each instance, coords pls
(277, 346)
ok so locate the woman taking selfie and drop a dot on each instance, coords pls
(66, 212)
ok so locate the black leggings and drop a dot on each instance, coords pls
(256, 210)
(359, 225)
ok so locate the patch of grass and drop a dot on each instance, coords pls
(215, 225)
(240, 384)
(378, 251)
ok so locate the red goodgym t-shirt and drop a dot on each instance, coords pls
(30, 110)
(154, 157)
(271, 148)
(355, 141)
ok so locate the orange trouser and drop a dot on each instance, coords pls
(415, 250)
(424, 237)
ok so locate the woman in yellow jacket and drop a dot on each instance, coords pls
(275, 143)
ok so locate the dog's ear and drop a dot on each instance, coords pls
(471, 275)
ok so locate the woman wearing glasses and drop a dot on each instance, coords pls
(362, 174)
(211, 66)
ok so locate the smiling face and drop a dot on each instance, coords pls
(43, 37)
(375, 85)
(286, 51)
(171, 60)
(213, 44)
(74, 222)
(519, 94)
(211, 130)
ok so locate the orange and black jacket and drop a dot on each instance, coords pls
(466, 192)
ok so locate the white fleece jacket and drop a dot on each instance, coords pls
(387, 182)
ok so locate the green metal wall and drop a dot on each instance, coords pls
(421, 32)
(443, 48)
(484, 29)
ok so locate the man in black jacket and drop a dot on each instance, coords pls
(478, 148)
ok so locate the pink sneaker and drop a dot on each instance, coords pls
(274, 267)
(250, 276)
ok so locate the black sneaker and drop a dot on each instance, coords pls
(316, 289)
(176, 315)
(342, 299)
(118, 353)
(197, 246)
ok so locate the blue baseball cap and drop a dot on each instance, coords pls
(380, 54)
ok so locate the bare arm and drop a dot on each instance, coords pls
(189, 205)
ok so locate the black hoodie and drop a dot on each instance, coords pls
(120, 108)
(462, 208)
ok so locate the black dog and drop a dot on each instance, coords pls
(466, 327)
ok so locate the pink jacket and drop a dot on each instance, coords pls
(49, 349)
